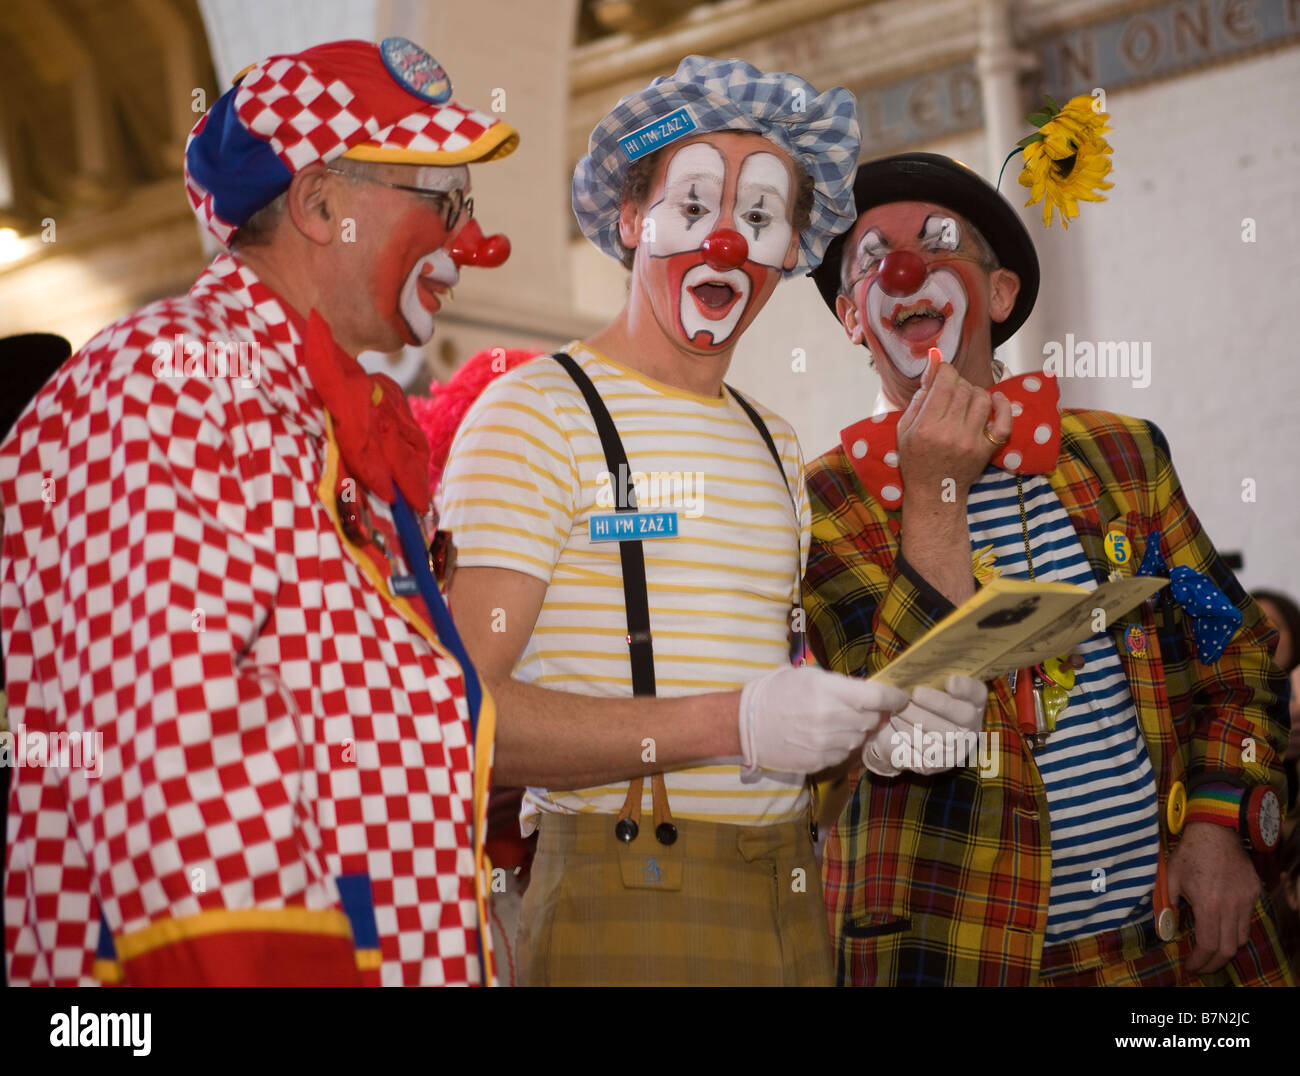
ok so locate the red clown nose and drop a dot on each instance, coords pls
(901, 273)
(725, 250)
(471, 247)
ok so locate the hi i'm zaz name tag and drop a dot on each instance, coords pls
(630, 526)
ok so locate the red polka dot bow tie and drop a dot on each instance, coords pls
(378, 437)
(1032, 448)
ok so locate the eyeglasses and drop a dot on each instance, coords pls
(451, 204)
(871, 264)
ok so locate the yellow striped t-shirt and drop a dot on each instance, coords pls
(526, 474)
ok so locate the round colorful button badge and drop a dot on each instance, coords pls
(415, 70)
(1136, 641)
(1118, 549)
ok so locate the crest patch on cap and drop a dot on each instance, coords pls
(415, 70)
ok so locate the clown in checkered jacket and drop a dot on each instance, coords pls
(244, 730)
(1124, 801)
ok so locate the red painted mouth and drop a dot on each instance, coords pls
(917, 323)
(714, 300)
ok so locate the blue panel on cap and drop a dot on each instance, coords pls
(239, 170)
(415, 70)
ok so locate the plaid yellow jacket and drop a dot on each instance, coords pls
(945, 879)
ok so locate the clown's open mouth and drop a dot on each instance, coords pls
(919, 321)
(714, 299)
(432, 292)
(427, 286)
(710, 304)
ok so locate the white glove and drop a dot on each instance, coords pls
(959, 710)
(797, 719)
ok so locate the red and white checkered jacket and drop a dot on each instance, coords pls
(286, 789)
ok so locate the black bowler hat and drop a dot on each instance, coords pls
(931, 177)
(27, 361)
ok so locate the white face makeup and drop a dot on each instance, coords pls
(901, 322)
(943, 294)
(431, 177)
(419, 301)
(710, 303)
(762, 200)
(691, 203)
(938, 234)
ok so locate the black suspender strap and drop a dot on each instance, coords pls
(640, 648)
(756, 419)
(797, 645)
(761, 426)
(635, 596)
(636, 601)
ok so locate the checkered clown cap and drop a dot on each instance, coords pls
(389, 102)
(820, 131)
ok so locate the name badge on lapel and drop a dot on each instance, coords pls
(632, 526)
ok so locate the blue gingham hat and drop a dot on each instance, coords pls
(820, 131)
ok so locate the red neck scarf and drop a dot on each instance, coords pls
(378, 437)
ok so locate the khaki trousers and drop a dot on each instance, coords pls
(725, 905)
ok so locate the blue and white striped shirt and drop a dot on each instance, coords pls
(1101, 791)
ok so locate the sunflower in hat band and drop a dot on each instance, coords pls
(936, 259)
(1067, 159)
